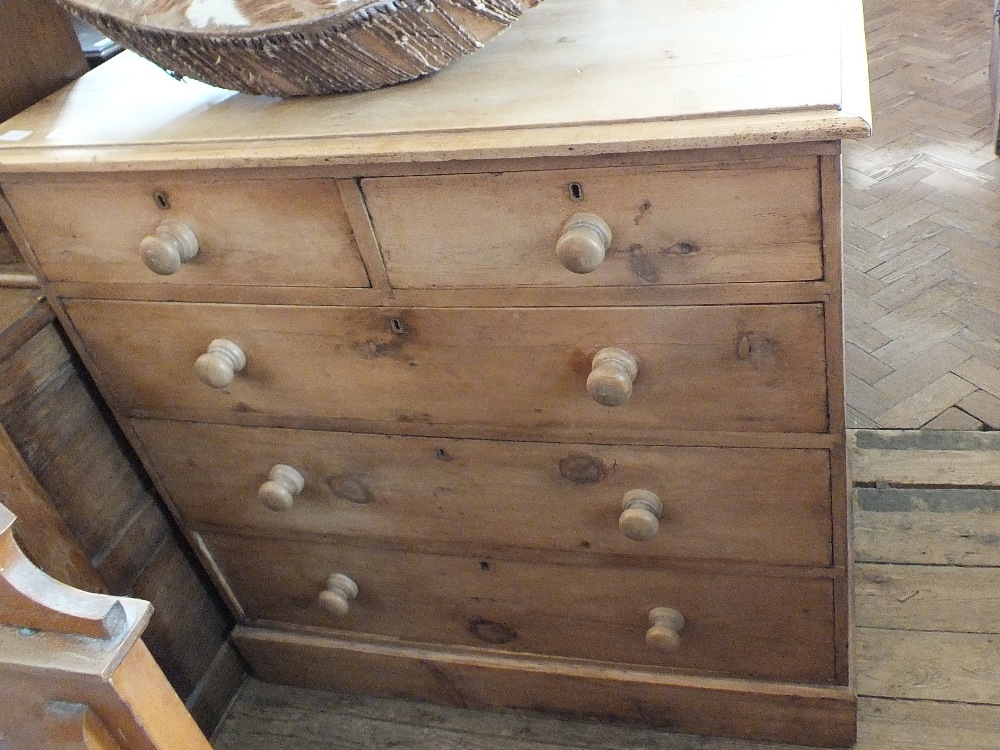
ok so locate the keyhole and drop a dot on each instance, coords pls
(162, 201)
(575, 191)
(397, 326)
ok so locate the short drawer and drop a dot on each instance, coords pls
(248, 232)
(764, 505)
(748, 626)
(743, 223)
(752, 368)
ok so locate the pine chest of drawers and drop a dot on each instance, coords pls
(517, 386)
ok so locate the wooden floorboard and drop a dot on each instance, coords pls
(922, 238)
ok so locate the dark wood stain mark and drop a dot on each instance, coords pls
(643, 264)
(350, 489)
(582, 469)
(754, 345)
(643, 210)
(490, 631)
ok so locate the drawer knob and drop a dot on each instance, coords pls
(218, 366)
(641, 514)
(584, 242)
(611, 377)
(340, 591)
(665, 626)
(171, 243)
(283, 485)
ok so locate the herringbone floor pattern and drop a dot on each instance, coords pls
(922, 216)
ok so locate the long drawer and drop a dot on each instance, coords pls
(248, 232)
(743, 504)
(746, 368)
(769, 627)
(741, 223)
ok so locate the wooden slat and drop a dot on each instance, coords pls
(928, 665)
(127, 555)
(820, 716)
(19, 332)
(927, 468)
(948, 526)
(266, 715)
(922, 597)
(927, 725)
(56, 420)
(188, 627)
(214, 694)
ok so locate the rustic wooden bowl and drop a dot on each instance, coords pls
(299, 47)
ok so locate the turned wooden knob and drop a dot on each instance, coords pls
(171, 243)
(665, 626)
(283, 485)
(584, 242)
(337, 596)
(641, 514)
(218, 366)
(611, 377)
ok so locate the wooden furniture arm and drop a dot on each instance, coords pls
(31, 599)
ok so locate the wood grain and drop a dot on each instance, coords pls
(266, 714)
(217, 688)
(537, 103)
(317, 47)
(707, 226)
(733, 504)
(42, 533)
(958, 538)
(352, 363)
(250, 232)
(109, 517)
(926, 467)
(924, 597)
(188, 626)
(928, 665)
(811, 715)
(778, 628)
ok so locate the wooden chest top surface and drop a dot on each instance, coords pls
(570, 78)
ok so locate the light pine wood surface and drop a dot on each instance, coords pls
(741, 365)
(926, 586)
(568, 78)
(376, 487)
(681, 197)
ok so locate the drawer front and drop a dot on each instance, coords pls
(718, 503)
(667, 227)
(249, 232)
(734, 368)
(759, 626)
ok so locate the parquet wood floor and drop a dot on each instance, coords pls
(922, 224)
